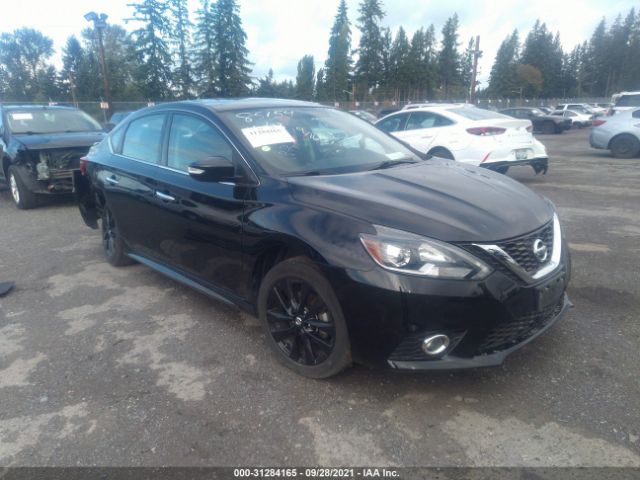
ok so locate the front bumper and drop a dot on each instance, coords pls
(452, 362)
(389, 315)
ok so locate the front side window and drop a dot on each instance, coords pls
(314, 141)
(143, 139)
(193, 139)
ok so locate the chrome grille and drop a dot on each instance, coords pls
(521, 249)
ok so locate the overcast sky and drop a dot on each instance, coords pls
(280, 32)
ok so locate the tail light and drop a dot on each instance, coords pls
(84, 161)
(598, 121)
(486, 131)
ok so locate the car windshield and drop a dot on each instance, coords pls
(44, 120)
(314, 141)
(473, 113)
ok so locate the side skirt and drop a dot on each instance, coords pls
(185, 280)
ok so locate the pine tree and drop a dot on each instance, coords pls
(181, 45)
(154, 71)
(543, 51)
(503, 79)
(466, 65)
(369, 67)
(449, 59)
(231, 63)
(338, 65)
(400, 67)
(630, 73)
(205, 51)
(305, 78)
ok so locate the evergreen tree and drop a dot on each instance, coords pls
(502, 79)
(400, 67)
(385, 88)
(449, 59)
(466, 66)
(369, 67)
(596, 61)
(630, 72)
(231, 63)
(321, 91)
(205, 51)
(338, 65)
(154, 71)
(181, 46)
(305, 78)
(543, 51)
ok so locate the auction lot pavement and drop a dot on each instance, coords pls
(115, 367)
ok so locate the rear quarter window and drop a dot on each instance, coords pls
(473, 113)
(143, 139)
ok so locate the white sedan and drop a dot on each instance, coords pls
(468, 134)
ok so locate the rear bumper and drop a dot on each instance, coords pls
(451, 362)
(538, 164)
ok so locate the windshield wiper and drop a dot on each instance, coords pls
(391, 163)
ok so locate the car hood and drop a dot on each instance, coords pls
(438, 199)
(58, 140)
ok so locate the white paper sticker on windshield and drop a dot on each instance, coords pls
(396, 155)
(21, 116)
(267, 135)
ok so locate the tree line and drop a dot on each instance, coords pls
(171, 56)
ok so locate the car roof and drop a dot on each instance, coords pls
(229, 104)
(39, 107)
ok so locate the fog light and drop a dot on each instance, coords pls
(435, 344)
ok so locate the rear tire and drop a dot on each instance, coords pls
(114, 248)
(303, 320)
(441, 153)
(23, 198)
(625, 146)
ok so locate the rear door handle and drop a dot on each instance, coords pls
(112, 180)
(165, 197)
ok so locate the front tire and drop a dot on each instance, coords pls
(303, 320)
(112, 243)
(625, 146)
(23, 198)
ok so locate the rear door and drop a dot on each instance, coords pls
(199, 224)
(130, 182)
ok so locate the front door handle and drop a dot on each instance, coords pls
(112, 180)
(165, 197)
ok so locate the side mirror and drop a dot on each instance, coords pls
(213, 169)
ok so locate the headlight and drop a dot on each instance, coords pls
(415, 255)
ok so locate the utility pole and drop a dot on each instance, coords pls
(472, 87)
(100, 23)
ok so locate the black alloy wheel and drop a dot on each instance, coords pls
(300, 322)
(114, 248)
(303, 319)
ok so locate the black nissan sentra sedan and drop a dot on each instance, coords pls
(348, 245)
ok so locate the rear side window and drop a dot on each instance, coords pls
(193, 139)
(392, 124)
(628, 101)
(143, 140)
(473, 113)
(419, 120)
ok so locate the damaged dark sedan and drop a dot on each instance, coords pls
(347, 245)
(41, 147)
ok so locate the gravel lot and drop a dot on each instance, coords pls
(105, 366)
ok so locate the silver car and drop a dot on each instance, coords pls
(620, 134)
